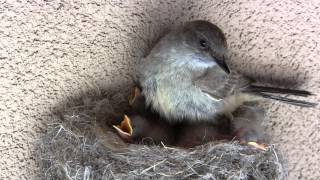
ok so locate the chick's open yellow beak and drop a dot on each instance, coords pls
(125, 127)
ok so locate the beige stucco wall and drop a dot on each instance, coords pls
(53, 50)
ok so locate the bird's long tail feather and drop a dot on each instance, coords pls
(274, 93)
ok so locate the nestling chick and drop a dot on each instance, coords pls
(146, 130)
(247, 124)
(185, 77)
(142, 125)
(193, 134)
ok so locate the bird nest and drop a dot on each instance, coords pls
(77, 145)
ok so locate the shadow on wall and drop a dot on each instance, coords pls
(290, 79)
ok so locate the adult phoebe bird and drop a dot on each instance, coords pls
(185, 77)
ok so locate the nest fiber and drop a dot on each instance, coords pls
(71, 149)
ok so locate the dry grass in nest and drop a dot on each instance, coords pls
(72, 149)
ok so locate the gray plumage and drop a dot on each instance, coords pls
(185, 76)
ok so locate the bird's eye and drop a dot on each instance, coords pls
(203, 44)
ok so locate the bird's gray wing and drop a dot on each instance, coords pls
(219, 85)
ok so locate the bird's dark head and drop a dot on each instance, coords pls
(208, 40)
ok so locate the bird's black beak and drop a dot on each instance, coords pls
(222, 64)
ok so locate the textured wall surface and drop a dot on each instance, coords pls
(51, 50)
